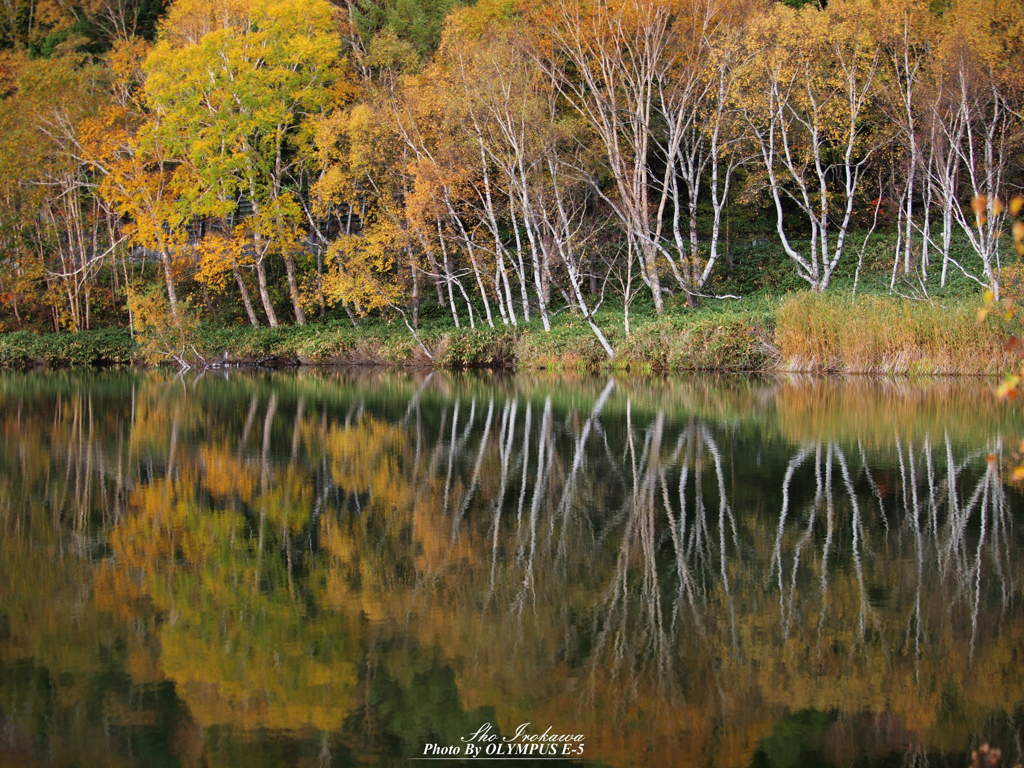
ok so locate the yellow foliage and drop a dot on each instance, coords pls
(365, 268)
(164, 336)
(219, 254)
(188, 21)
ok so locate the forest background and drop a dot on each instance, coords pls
(653, 184)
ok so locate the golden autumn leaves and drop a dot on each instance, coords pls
(271, 161)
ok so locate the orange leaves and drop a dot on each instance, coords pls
(986, 757)
(365, 173)
(1011, 386)
(125, 62)
(1018, 234)
(980, 206)
(1005, 308)
(991, 305)
(1017, 229)
(431, 181)
(227, 478)
(135, 180)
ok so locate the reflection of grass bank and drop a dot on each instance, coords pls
(802, 332)
(795, 408)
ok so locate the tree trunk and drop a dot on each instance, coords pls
(172, 294)
(293, 289)
(650, 263)
(249, 311)
(268, 305)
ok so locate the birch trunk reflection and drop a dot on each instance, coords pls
(673, 566)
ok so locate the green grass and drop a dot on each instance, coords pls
(24, 349)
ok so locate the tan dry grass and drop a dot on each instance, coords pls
(887, 335)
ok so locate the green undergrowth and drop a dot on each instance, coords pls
(24, 349)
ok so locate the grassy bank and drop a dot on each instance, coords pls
(24, 349)
(778, 326)
(800, 332)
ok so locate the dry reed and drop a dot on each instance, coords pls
(887, 335)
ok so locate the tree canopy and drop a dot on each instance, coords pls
(496, 163)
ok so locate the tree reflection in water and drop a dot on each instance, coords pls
(312, 568)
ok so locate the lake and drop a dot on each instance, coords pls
(373, 567)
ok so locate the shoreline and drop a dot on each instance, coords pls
(802, 333)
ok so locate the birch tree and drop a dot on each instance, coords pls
(976, 119)
(809, 92)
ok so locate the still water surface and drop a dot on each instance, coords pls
(320, 569)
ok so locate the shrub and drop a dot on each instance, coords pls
(162, 335)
